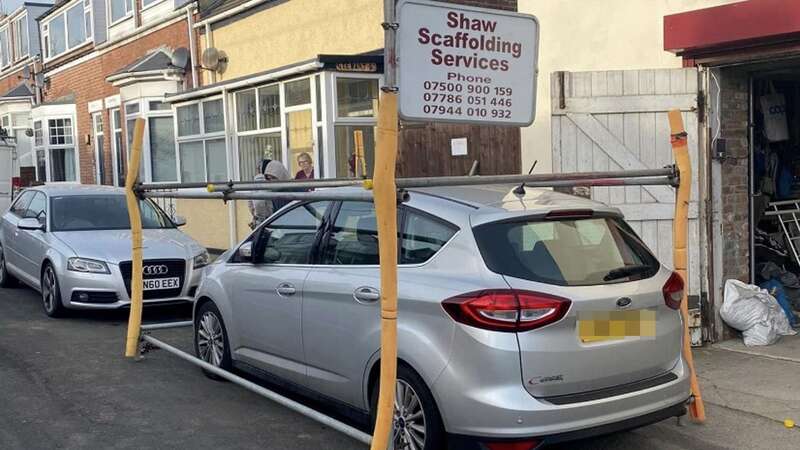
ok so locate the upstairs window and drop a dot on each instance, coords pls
(21, 37)
(120, 9)
(5, 54)
(67, 30)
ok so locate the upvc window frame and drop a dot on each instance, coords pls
(46, 29)
(151, 5)
(202, 137)
(145, 112)
(18, 23)
(128, 14)
(334, 120)
(48, 147)
(98, 118)
(6, 29)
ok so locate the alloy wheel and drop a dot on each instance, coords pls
(409, 418)
(210, 339)
(49, 289)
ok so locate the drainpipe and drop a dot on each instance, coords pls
(209, 44)
(192, 48)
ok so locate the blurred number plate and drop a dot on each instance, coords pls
(597, 326)
(162, 283)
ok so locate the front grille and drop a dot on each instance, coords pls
(612, 391)
(94, 297)
(175, 268)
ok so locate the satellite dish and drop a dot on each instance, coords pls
(214, 59)
(29, 132)
(180, 58)
(38, 80)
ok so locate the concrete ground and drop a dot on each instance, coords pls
(64, 384)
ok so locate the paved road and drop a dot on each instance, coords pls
(64, 384)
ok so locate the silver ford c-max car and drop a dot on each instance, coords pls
(72, 243)
(524, 319)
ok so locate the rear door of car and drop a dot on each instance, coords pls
(618, 329)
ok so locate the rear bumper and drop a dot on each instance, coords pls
(480, 393)
(462, 442)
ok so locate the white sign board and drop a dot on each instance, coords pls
(464, 64)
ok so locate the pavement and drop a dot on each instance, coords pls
(65, 384)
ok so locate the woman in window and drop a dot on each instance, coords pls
(306, 171)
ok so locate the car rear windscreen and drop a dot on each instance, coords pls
(101, 212)
(566, 252)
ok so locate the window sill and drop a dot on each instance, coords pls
(69, 51)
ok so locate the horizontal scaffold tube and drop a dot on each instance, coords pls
(540, 180)
(364, 196)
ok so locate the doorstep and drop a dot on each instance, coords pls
(763, 381)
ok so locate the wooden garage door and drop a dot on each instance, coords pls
(617, 120)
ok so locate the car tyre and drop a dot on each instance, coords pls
(51, 293)
(211, 339)
(416, 417)
(6, 279)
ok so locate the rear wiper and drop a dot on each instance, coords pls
(625, 271)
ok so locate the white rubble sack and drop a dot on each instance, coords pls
(755, 313)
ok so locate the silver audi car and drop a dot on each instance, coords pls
(524, 319)
(72, 243)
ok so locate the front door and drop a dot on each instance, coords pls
(267, 295)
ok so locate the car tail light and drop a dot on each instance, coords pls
(517, 445)
(506, 309)
(673, 291)
(562, 214)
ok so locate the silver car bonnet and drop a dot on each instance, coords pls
(114, 246)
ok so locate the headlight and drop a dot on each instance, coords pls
(201, 260)
(87, 265)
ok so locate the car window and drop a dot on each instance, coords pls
(567, 252)
(292, 235)
(36, 208)
(422, 237)
(80, 213)
(353, 238)
(21, 205)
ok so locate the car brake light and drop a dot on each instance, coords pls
(517, 445)
(569, 214)
(673, 291)
(506, 309)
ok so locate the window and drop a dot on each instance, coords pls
(349, 161)
(21, 37)
(55, 150)
(146, 3)
(120, 9)
(67, 30)
(162, 149)
(201, 141)
(189, 120)
(60, 131)
(5, 55)
(79, 213)
(354, 236)
(570, 252)
(116, 147)
(76, 26)
(292, 235)
(356, 97)
(354, 122)
(99, 147)
(21, 205)
(36, 209)
(258, 119)
(298, 92)
(422, 237)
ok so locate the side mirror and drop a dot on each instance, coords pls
(245, 252)
(30, 224)
(179, 221)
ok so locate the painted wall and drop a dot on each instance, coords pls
(297, 30)
(578, 35)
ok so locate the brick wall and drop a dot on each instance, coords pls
(87, 82)
(735, 106)
(10, 81)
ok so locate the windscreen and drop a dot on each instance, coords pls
(102, 212)
(567, 252)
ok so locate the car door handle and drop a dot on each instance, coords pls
(366, 294)
(286, 290)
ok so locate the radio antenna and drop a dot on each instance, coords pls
(520, 190)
